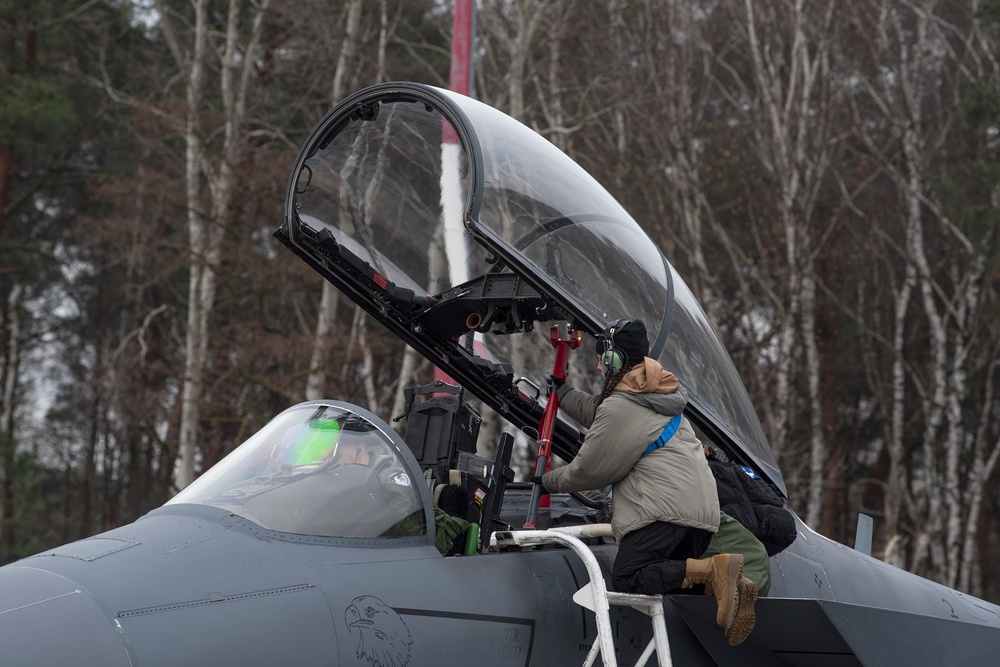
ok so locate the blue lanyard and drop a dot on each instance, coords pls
(668, 433)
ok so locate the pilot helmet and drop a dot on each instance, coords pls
(310, 442)
(360, 442)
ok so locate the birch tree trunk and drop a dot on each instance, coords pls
(196, 340)
(674, 88)
(790, 65)
(11, 337)
(327, 317)
(896, 100)
(985, 68)
(206, 231)
(513, 25)
(913, 45)
(410, 365)
(898, 493)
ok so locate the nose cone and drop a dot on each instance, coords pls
(46, 619)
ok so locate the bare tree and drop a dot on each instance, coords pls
(10, 337)
(513, 27)
(327, 317)
(923, 55)
(784, 99)
(209, 211)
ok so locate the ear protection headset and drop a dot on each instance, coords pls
(612, 359)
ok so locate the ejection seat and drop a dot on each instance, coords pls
(442, 432)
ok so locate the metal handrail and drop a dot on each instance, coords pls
(595, 596)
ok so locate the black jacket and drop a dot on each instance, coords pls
(751, 501)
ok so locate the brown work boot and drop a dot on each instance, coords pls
(745, 617)
(723, 572)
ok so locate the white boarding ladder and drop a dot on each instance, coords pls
(595, 595)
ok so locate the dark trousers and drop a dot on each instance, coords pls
(653, 559)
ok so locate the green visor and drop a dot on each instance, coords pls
(312, 443)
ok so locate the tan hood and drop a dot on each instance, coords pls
(648, 377)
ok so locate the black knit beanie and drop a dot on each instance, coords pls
(630, 340)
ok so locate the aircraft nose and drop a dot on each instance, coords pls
(46, 619)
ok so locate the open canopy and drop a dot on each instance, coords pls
(460, 229)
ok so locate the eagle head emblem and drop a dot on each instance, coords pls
(383, 638)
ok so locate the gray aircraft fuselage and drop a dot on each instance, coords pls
(194, 585)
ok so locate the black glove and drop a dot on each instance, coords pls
(556, 382)
(537, 479)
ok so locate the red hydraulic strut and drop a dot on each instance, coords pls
(563, 345)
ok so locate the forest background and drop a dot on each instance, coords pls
(826, 175)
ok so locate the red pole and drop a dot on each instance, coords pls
(547, 424)
(460, 80)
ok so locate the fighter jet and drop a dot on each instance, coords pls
(494, 255)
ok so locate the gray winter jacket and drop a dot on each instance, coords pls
(672, 484)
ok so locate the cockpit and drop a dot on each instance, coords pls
(319, 468)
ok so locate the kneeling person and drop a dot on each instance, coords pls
(666, 508)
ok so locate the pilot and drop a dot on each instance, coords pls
(666, 508)
(360, 443)
(353, 452)
(351, 440)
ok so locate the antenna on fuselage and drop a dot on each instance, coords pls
(863, 539)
